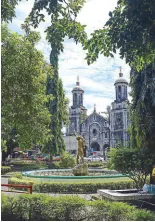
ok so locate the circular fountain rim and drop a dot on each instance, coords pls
(29, 174)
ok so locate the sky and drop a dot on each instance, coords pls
(97, 80)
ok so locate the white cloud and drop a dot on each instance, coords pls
(97, 79)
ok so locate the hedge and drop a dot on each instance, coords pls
(44, 208)
(97, 164)
(5, 169)
(73, 187)
(27, 165)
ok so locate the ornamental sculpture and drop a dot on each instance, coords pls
(81, 147)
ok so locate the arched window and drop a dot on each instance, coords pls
(75, 97)
(106, 135)
(94, 117)
(119, 91)
(83, 125)
(94, 132)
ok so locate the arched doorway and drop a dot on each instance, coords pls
(95, 146)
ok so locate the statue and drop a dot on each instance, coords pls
(81, 147)
(81, 169)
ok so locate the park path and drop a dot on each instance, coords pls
(4, 180)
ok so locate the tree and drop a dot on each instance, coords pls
(63, 24)
(8, 9)
(24, 98)
(136, 163)
(131, 29)
(143, 107)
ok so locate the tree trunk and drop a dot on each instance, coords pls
(51, 161)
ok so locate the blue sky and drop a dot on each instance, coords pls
(98, 79)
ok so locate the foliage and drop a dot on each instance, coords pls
(27, 165)
(143, 108)
(15, 174)
(67, 161)
(24, 88)
(142, 113)
(55, 165)
(8, 9)
(142, 215)
(3, 146)
(95, 164)
(11, 143)
(130, 29)
(5, 169)
(63, 24)
(58, 108)
(74, 187)
(44, 208)
(136, 163)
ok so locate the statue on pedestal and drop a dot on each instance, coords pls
(81, 169)
(81, 147)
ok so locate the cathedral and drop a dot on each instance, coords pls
(100, 132)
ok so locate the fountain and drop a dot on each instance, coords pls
(80, 171)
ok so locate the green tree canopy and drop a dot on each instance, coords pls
(131, 29)
(24, 74)
(8, 9)
(136, 163)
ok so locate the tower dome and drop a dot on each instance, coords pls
(121, 88)
(120, 79)
(77, 95)
(77, 87)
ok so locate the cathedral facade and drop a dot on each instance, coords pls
(100, 132)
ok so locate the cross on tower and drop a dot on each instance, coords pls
(94, 107)
(77, 83)
(120, 74)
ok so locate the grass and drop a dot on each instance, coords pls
(77, 180)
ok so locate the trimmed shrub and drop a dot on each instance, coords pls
(44, 208)
(55, 165)
(15, 174)
(5, 169)
(67, 161)
(95, 164)
(27, 165)
(141, 215)
(73, 187)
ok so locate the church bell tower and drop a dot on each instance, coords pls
(76, 109)
(119, 113)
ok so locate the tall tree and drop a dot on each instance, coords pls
(63, 24)
(24, 98)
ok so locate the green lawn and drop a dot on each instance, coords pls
(78, 180)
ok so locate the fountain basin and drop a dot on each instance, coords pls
(56, 174)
